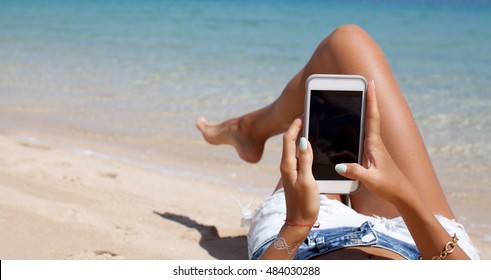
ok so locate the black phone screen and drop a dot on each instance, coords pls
(334, 130)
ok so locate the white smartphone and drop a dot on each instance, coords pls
(334, 125)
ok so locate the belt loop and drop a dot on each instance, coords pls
(369, 236)
(320, 242)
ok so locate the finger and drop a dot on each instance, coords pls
(289, 160)
(373, 114)
(305, 158)
(290, 139)
(352, 171)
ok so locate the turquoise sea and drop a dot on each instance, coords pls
(143, 69)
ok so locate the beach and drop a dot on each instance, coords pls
(61, 203)
(58, 204)
(99, 154)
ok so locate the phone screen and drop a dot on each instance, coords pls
(334, 130)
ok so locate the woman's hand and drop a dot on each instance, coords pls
(301, 195)
(301, 191)
(380, 175)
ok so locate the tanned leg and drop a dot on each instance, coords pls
(248, 133)
(348, 50)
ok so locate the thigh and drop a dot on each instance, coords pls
(350, 50)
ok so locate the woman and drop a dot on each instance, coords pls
(399, 212)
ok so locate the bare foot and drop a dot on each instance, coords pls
(235, 132)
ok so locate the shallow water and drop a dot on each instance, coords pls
(148, 69)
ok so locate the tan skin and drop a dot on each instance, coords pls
(400, 179)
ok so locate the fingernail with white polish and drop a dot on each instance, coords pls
(341, 168)
(303, 144)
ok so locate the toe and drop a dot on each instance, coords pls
(201, 123)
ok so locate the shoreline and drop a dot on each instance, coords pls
(91, 200)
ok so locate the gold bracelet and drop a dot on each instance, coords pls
(448, 249)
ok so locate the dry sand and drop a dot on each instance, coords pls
(57, 203)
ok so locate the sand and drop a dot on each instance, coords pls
(57, 204)
(61, 203)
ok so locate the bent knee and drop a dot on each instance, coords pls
(346, 35)
(351, 30)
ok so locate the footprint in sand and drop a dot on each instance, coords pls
(109, 175)
(95, 255)
(33, 145)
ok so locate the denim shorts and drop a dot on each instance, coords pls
(322, 241)
(340, 227)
